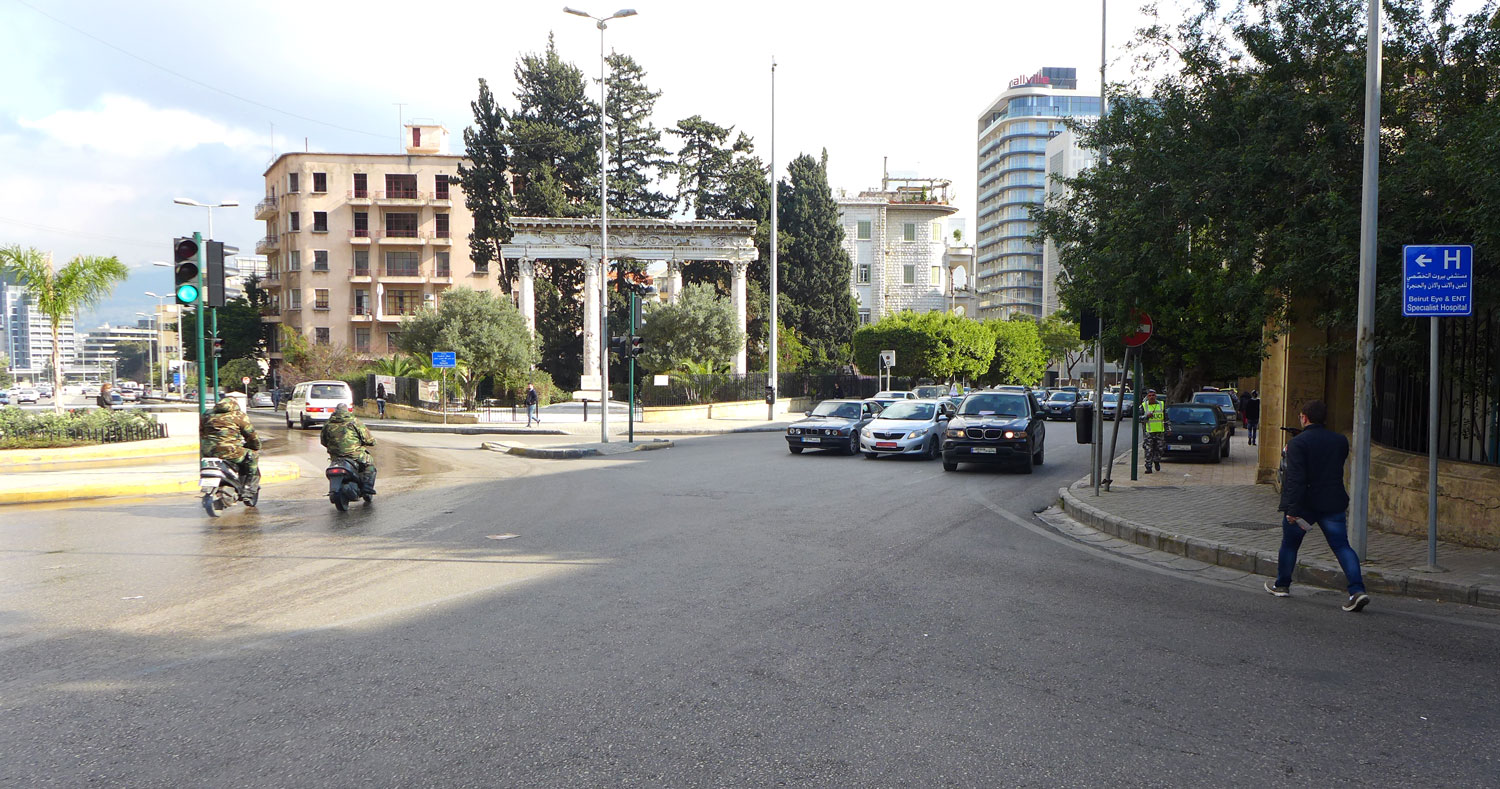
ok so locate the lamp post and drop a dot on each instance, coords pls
(214, 314)
(152, 346)
(160, 351)
(603, 220)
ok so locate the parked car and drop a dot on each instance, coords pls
(27, 395)
(130, 395)
(1197, 430)
(313, 402)
(261, 400)
(1059, 405)
(5, 397)
(833, 424)
(1226, 402)
(45, 390)
(891, 396)
(932, 392)
(996, 427)
(1115, 406)
(907, 427)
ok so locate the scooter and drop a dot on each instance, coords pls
(344, 484)
(221, 486)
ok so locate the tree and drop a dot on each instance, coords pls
(1019, 357)
(703, 162)
(304, 361)
(485, 180)
(1061, 343)
(553, 137)
(488, 334)
(697, 330)
(637, 157)
(815, 266)
(232, 371)
(399, 366)
(937, 345)
(134, 358)
(6, 379)
(240, 328)
(84, 282)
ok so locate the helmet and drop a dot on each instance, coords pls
(341, 408)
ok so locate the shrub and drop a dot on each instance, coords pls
(43, 429)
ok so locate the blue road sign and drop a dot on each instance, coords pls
(177, 377)
(1437, 281)
(444, 358)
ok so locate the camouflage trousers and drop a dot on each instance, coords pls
(1153, 445)
(248, 461)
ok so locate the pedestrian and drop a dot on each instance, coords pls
(532, 412)
(838, 391)
(1155, 413)
(380, 399)
(1313, 492)
(1252, 415)
(105, 390)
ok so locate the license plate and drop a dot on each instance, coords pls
(811, 440)
(1180, 447)
(885, 444)
(984, 450)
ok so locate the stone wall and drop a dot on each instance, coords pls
(1468, 498)
(369, 410)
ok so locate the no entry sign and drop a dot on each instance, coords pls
(1141, 327)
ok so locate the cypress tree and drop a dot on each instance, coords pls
(554, 137)
(486, 186)
(814, 266)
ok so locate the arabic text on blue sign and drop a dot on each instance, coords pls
(1437, 281)
(444, 359)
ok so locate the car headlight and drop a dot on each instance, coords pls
(1204, 439)
(792, 431)
(1010, 434)
(917, 433)
(956, 433)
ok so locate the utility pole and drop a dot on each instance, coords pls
(774, 383)
(1364, 348)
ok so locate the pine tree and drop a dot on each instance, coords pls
(554, 137)
(636, 155)
(486, 186)
(702, 163)
(814, 266)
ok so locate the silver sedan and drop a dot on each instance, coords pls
(907, 427)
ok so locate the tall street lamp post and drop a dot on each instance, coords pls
(202, 300)
(603, 221)
(152, 346)
(160, 351)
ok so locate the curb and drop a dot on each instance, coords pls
(568, 453)
(271, 472)
(465, 430)
(15, 461)
(1313, 573)
(711, 431)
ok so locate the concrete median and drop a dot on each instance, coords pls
(83, 484)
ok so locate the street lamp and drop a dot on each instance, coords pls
(603, 221)
(155, 341)
(209, 206)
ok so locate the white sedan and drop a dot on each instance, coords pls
(907, 427)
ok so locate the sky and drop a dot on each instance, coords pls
(111, 110)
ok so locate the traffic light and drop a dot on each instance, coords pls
(185, 257)
(218, 348)
(214, 274)
(635, 347)
(619, 345)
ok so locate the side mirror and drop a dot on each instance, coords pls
(807, 413)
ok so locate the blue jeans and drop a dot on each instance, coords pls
(1335, 528)
(1253, 426)
(532, 414)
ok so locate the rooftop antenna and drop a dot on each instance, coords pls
(885, 172)
(400, 126)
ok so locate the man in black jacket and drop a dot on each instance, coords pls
(1251, 407)
(1313, 492)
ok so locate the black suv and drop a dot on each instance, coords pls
(996, 427)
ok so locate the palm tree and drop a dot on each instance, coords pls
(84, 282)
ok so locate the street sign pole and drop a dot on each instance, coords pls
(198, 314)
(630, 406)
(1432, 429)
(1135, 425)
(213, 317)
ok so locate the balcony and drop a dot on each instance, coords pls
(440, 199)
(398, 237)
(266, 209)
(444, 237)
(395, 312)
(360, 275)
(267, 245)
(358, 196)
(399, 197)
(270, 313)
(399, 274)
(359, 236)
(360, 312)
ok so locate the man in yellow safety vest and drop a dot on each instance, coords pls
(1156, 429)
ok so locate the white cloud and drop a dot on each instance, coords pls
(128, 127)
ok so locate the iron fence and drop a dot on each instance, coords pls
(730, 387)
(1468, 394)
(111, 434)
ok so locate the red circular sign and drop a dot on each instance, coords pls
(1141, 331)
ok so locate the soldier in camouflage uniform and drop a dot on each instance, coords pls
(345, 438)
(225, 432)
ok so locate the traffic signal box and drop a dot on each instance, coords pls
(635, 347)
(620, 345)
(185, 257)
(218, 348)
(214, 274)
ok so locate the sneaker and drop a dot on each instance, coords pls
(1280, 591)
(1148, 469)
(1357, 603)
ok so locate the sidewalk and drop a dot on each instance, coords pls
(144, 480)
(1215, 513)
(617, 427)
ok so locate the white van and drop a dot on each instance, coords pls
(313, 401)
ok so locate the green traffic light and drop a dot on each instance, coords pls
(187, 293)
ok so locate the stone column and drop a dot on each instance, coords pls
(674, 280)
(737, 294)
(526, 291)
(591, 325)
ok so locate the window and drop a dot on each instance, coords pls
(393, 342)
(361, 185)
(442, 265)
(294, 221)
(401, 186)
(320, 260)
(296, 296)
(361, 224)
(320, 183)
(401, 225)
(402, 264)
(862, 231)
(320, 222)
(361, 302)
(416, 136)
(937, 231)
(909, 231)
(440, 188)
(442, 225)
(292, 185)
(864, 317)
(294, 260)
(862, 276)
(362, 263)
(909, 274)
(320, 335)
(402, 302)
(936, 275)
(320, 299)
(362, 339)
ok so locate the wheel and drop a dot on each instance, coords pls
(1225, 450)
(853, 448)
(368, 498)
(306, 425)
(208, 505)
(1041, 455)
(871, 455)
(795, 450)
(339, 502)
(1215, 457)
(289, 420)
(1029, 464)
(949, 466)
(934, 450)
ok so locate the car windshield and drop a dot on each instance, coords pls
(327, 392)
(994, 404)
(841, 410)
(1064, 397)
(931, 391)
(908, 409)
(1110, 397)
(1212, 397)
(1188, 415)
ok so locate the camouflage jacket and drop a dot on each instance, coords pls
(345, 437)
(225, 432)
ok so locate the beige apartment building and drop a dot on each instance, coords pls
(355, 243)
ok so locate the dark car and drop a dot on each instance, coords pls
(1059, 405)
(996, 427)
(1226, 401)
(834, 424)
(1197, 430)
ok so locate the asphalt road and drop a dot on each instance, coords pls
(718, 614)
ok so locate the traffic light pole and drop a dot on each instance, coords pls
(198, 313)
(630, 405)
(213, 316)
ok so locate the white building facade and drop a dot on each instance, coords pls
(896, 238)
(26, 335)
(1065, 159)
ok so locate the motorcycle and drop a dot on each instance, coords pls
(220, 483)
(344, 484)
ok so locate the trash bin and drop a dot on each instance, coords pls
(1083, 421)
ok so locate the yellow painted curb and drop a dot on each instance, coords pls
(271, 472)
(128, 453)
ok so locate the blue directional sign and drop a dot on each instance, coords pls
(1437, 281)
(444, 358)
(177, 377)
